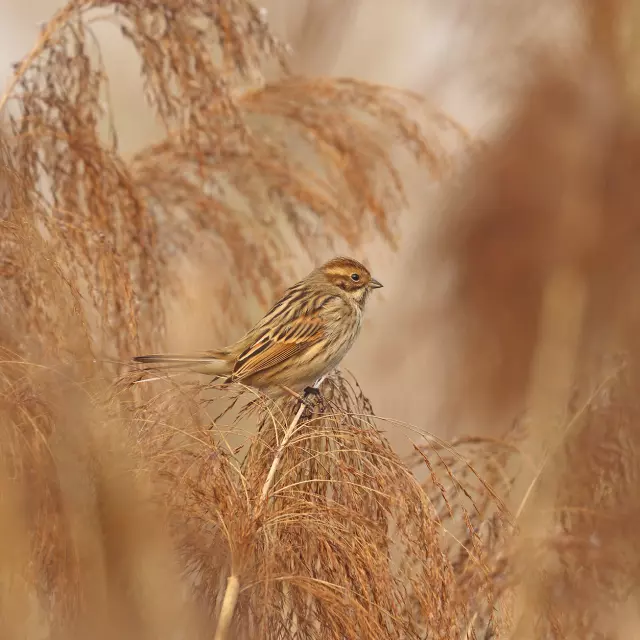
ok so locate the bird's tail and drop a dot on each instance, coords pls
(208, 364)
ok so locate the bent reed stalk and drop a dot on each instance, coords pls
(233, 582)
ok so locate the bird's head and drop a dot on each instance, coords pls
(351, 277)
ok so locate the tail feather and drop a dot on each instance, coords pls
(206, 364)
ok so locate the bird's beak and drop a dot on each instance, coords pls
(374, 284)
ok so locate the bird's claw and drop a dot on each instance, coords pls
(310, 396)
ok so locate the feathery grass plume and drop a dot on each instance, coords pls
(319, 531)
(34, 287)
(589, 557)
(314, 152)
(78, 194)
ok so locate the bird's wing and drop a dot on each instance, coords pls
(274, 346)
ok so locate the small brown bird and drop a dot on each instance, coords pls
(304, 336)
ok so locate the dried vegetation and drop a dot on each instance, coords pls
(128, 510)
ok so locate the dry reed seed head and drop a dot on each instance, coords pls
(192, 44)
(80, 191)
(60, 92)
(332, 122)
(592, 559)
(335, 526)
(467, 481)
(323, 555)
(507, 229)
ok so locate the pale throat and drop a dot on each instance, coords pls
(360, 297)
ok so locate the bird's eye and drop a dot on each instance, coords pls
(355, 277)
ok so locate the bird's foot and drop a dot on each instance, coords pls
(307, 398)
(311, 396)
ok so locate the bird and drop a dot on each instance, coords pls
(303, 337)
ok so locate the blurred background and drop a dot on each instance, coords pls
(489, 181)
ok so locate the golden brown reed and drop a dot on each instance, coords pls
(120, 505)
(119, 227)
(321, 528)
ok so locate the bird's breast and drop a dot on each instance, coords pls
(342, 327)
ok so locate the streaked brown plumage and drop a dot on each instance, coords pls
(303, 336)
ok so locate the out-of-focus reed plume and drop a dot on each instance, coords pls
(87, 551)
(541, 237)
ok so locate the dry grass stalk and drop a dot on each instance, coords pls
(233, 584)
(466, 482)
